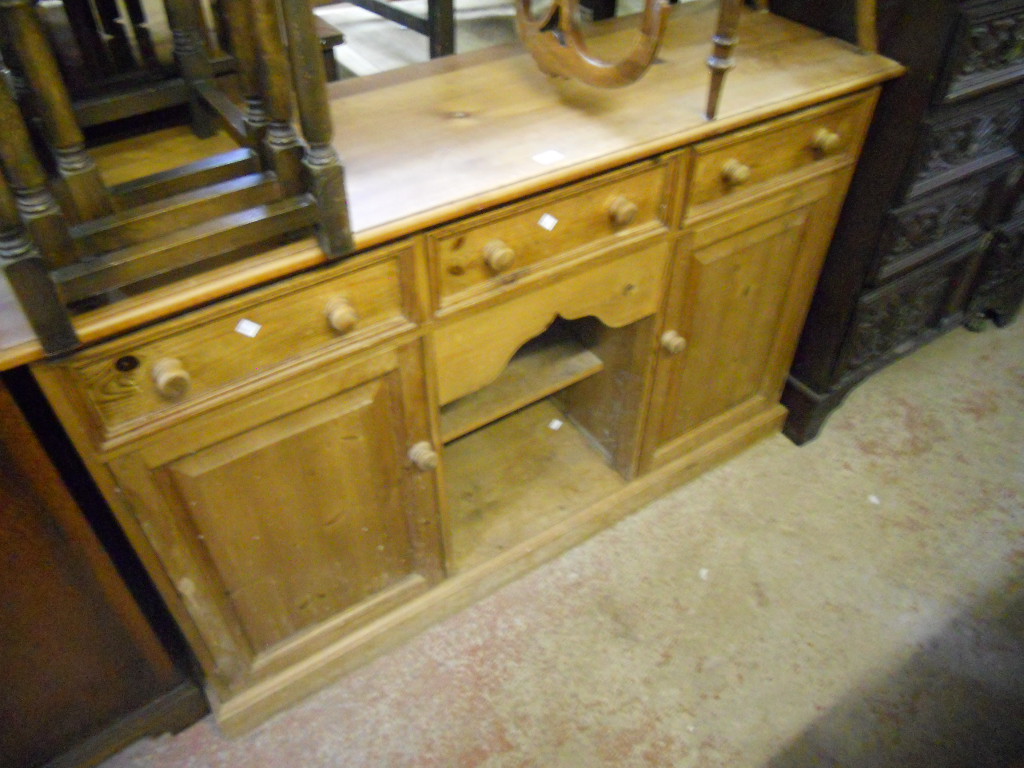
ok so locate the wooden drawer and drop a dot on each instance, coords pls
(194, 360)
(901, 315)
(487, 252)
(473, 350)
(726, 169)
(958, 141)
(986, 50)
(919, 231)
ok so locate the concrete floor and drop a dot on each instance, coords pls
(858, 601)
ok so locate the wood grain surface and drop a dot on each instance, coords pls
(476, 146)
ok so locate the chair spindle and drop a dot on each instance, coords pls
(325, 175)
(187, 28)
(242, 39)
(721, 60)
(25, 270)
(37, 206)
(282, 150)
(25, 33)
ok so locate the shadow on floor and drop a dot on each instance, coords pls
(957, 703)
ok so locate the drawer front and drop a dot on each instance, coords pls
(726, 169)
(488, 252)
(987, 50)
(918, 232)
(900, 316)
(961, 140)
(136, 378)
(472, 350)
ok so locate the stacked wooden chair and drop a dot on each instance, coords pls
(68, 241)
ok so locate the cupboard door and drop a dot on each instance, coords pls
(739, 293)
(294, 512)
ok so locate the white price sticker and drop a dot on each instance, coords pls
(548, 222)
(248, 328)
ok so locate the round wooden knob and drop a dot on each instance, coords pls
(498, 256)
(734, 172)
(825, 142)
(423, 456)
(341, 315)
(170, 378)
(672, 342)
(622, 211)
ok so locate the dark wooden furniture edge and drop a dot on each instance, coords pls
(170, 713)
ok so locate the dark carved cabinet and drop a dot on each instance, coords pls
(932, 231)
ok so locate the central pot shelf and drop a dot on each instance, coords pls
(543, 366)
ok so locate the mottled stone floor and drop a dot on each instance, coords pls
(855, 602)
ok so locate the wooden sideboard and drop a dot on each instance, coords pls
(932, 233)
(564, 303)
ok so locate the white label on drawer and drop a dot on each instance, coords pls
(548, 222)
(248, 328)
(548, 157)
(555, 424)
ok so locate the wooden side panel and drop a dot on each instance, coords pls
(76, 654)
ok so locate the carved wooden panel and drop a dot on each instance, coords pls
(923, 229)
(956, 144)
(987, 50)
(901, 315)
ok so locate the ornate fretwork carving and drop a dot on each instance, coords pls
(948, 146)
(891, 324)
(991, 45)
(934, 221)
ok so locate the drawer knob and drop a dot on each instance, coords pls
(170, 378)
(672, 342)
(622, 211)
(423, 456)
(498, 256)
(735, 173)
(825, 142)
(341, 315)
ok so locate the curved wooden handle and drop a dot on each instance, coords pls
(498, 255)
(423, 456)
(672, 342)
(825, 142)
(341, 315)
(170, 378)
(557, 44)
(735, 173)
(622, 211)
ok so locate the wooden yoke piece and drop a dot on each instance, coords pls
(557, 44)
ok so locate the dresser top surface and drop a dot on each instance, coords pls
(430, 143)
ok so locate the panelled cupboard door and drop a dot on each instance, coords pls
(739, 292)
(295, 515)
